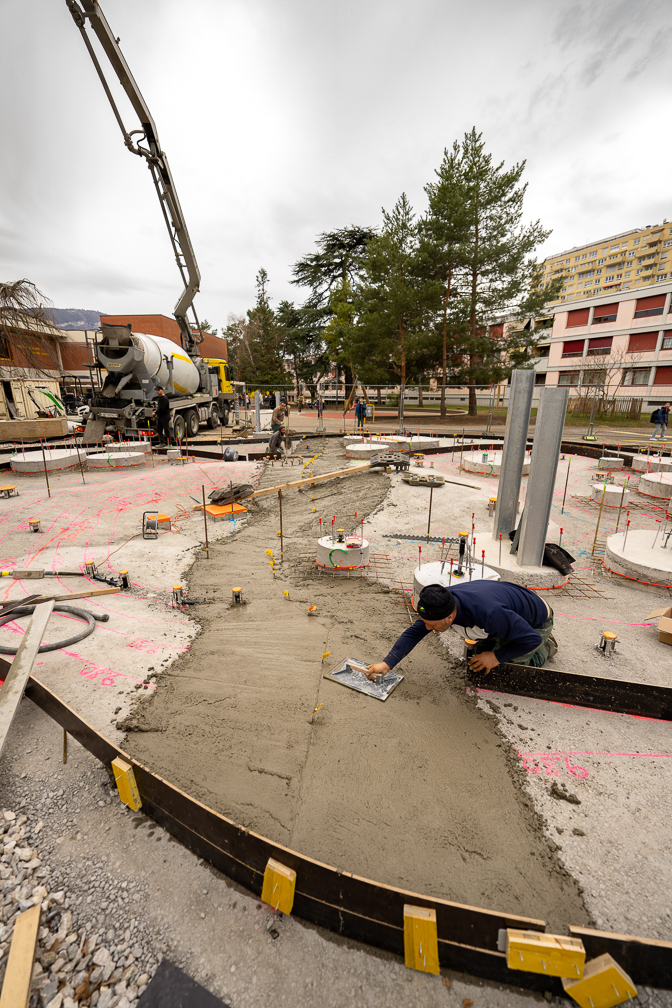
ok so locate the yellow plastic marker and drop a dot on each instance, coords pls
(326, 655)
(316, 710)
(126, 786)
(278, 887)
(268, 552)
(286, 594)
(603, 984)
(421, 947)
(538, 952)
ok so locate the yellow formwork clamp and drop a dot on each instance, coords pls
(421, 946)
(538, 952)
(278, 888)
(603, 984)
(124, 778)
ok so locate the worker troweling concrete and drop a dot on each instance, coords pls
(509, 623)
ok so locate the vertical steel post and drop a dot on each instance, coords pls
(513, 454)
(543, 470)
(257, 411)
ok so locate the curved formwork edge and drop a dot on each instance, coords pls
(349, 905)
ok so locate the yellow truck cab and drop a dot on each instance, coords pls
(223, 372)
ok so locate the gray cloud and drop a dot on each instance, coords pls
(285, 118)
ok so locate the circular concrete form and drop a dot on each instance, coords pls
(432, 573)
(613, 495)
(656, 485)
(367, 449)
(396, 441)
(610, 462)
(115, 460)
(651, 463)
(120, 446)
(348, 555)
(639, 558)
(54, 459)
(489, 462)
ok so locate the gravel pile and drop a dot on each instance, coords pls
(77, 961)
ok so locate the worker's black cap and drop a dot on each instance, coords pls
(435, 603)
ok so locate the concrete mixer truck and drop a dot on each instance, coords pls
(199, 388)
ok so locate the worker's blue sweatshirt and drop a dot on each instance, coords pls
(499, 608)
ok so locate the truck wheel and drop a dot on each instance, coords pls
(213, 418)
(192, 422)
(178, 427)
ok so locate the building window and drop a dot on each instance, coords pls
(600, 261)
(606, 313)
(633, 252)
(568, 378)
(649, 306)
(642, 342)
(577, 258)
(667, 343)
(636, 376)
(584, 256)
(667, 244)
(540, 379)
(636, 241)
(599, 346)
(619, 276)
(4, 348)
(614, 248)
(627, 275)
(608, 278)
(591, 254)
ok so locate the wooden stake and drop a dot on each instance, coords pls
(604, 490)
(429, 517)
(282, 543)
(562, 511)
(44, 460)
(205, 524)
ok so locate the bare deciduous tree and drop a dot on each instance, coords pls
(23, 318)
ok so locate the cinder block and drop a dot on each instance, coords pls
(421, 946)
(538, 952)
(278, 887)
(603, 984)
(126, 784)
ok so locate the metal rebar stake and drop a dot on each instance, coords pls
(569, 463)
(205, 523)
(599, 516)
(44, 460)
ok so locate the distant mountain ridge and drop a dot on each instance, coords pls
(74, 318)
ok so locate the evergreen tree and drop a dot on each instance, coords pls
(474, 236)
(395, 302)
(302, 335)
(260, 355)
(332, 274)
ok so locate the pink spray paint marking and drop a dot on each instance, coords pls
(552, 763)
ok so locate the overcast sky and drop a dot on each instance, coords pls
(285, 118)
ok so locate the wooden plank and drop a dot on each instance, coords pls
(15, 683)
(18, 975)
(310, 480)
(14, 430)
(618, 696)
(647, 960)
(34, 600)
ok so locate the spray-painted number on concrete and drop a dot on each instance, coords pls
(91, 671)
(551, 765)
(149, 647)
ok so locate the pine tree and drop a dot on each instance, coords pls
(395, 303)
(473, 235)
(260, 359)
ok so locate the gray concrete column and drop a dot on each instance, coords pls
(541, 481)
(257, 411)
(515, 443)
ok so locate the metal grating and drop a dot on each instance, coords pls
(634, 504)
(580, 585)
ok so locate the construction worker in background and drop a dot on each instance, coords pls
(278, 418)
(276, 443)
(162, 414)
(360, 412)
(509, 623)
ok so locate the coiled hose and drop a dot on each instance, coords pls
(82, 614)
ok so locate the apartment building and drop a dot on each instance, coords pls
(621, 342)
(633, 259)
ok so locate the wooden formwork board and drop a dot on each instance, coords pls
(619, 696)
(352, 906)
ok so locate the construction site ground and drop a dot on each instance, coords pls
(499, 801)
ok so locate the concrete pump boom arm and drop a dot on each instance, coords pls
(146, 144)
